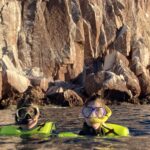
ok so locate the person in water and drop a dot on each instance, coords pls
(95, 114)
(27, 114)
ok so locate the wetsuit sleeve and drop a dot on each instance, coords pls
(82, 132)
(108, 114)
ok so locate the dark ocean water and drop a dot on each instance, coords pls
(135, 117)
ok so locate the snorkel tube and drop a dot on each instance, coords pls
(103, 119)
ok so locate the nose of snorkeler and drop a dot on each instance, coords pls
(24, 120)
(28, 117)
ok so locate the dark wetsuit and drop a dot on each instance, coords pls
(87, 130)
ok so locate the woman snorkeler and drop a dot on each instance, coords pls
(95, 114)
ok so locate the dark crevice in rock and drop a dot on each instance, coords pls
(145, 100)
(76, 14)
(1, 16)
(116, 95)
(57, 99)
(5, 49)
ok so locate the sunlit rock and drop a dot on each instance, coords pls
(116, 83)
(122, 41)
(73, 98)
(1, 75)
(55, 39)
(120, 66)
(7, 63)
(112, 58)
(106, 80)
(0, 84)
(140, 65)
(34, 94)
(17, 81)
(141, 51)
(93, 83)
(37, 78)
(117, 63)
(10, 25)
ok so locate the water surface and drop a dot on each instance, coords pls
(135, 117)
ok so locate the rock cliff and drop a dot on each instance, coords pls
(103, 44)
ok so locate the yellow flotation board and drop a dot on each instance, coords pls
(42, 129)
(110, 130)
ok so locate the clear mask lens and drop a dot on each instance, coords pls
(99, 111)
(22, 112)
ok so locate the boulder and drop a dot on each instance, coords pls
(72, 98)
(0, 84)
(140, 65)
(17, 81)
(115, 88)
(93, 83)
(55, 39)
(118, 63)
(59, 96)
(106, 81)
(122, 41)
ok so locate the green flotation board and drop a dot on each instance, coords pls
(110, 130)
(48, 128)
(13, 130)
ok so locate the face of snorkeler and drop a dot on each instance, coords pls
(94, 109)
(27, 117)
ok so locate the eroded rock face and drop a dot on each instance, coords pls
(64, 97)
(106, 81)
(60, 37)
(19, 82)
(0, 85)
(0, 75)
(140, 65)
(120, 66)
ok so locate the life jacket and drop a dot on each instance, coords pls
(106, 130)
(42, 129)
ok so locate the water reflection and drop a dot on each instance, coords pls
(136, 117)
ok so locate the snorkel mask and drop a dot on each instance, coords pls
(99, 111)
(24, 114)
(101, 114)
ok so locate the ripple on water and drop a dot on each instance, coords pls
(136, 117)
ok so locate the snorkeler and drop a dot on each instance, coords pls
(27, 114)
(95, 114)
(27, 121)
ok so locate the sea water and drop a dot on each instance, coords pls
(135, 117)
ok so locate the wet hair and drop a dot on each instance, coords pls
(24, 102)
(94, 98)
(27, 99)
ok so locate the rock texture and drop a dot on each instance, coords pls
(103, 44)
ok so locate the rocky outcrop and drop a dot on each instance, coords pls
(63, 97)
(46, 40)
(64, 94)
(0, 85)
(117, 63)
(105, 81)
(140, 65)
